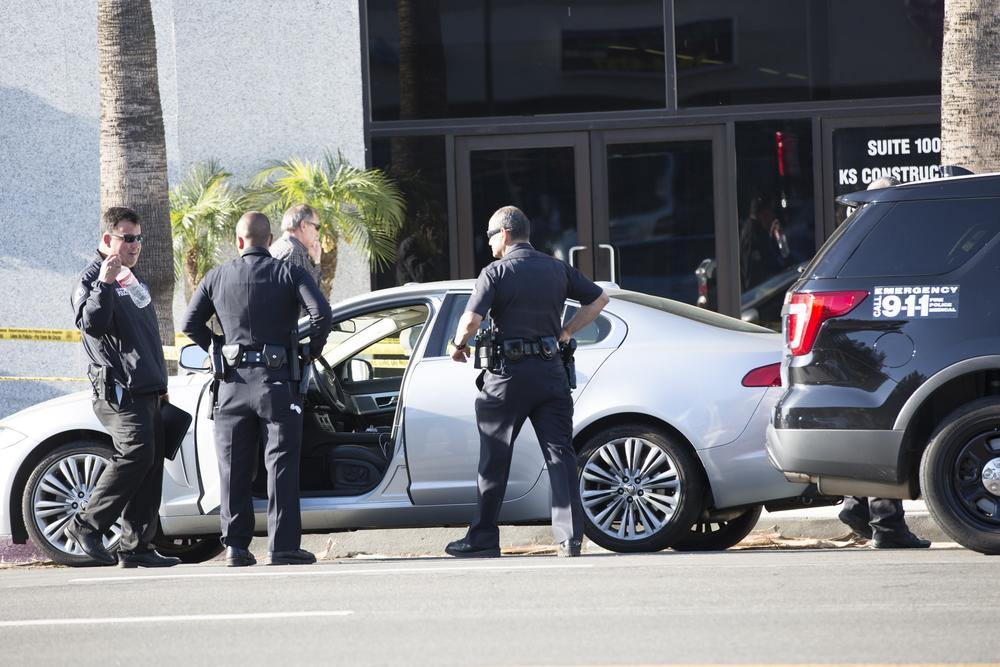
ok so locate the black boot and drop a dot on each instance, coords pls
(296, 557)
(237, 557)
(859, 525)
(462, 549)
(569, 548)
(146, 559)
(898, 539)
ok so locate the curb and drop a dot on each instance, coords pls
(410, 542)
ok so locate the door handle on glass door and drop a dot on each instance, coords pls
(573, 250)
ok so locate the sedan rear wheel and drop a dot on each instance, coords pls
(641, 489)
(718, 534)
(58, 489)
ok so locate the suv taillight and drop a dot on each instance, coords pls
(808, 310)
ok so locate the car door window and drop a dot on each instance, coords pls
(389, 356)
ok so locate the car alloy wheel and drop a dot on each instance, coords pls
(60, 488)
(639, 488)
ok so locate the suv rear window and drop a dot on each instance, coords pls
(688, 311)
(925, 238)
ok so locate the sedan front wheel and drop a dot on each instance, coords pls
(58, 489)
(641, 488)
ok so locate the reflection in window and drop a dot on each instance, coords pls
(738, 52)
(466, 58)
(775, 200)
(417, 165)
(661, 215)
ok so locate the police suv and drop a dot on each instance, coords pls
(892, 356)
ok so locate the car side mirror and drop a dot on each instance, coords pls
(193, 358)
(359, 370)
(347, 326)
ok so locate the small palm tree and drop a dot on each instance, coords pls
(361, 207)
(203, 214)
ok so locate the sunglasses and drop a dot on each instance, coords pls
(129, 238)
(493, 232)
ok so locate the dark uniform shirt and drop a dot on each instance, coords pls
(118, 334)
(257, 300)
(526, 291)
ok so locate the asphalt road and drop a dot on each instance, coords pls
(842, 606)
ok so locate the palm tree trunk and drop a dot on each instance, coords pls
(133, 147)
(328, 269)
(970, 78)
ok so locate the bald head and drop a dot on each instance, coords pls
(254, 229)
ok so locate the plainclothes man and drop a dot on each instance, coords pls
(299, 242)
(121, 336)
(525, 292)
(257, 300)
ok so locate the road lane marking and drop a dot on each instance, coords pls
(279, 572)
(171, 619)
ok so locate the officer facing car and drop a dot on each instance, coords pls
(257, 299)
(121, 336)
(525, 292)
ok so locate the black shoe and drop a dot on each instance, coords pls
(569, 548)
(146, 559)
(899, 539)
(236, 557)
(297, 557)
(89, 540)
(462, 549)
(860, 527)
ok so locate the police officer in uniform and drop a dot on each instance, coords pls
(121, 336)
(257, 300)
(525, 290)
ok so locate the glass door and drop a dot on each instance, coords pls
(545, 175)
(662, 222)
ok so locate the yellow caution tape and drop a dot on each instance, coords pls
(52, 335)
(11, 378)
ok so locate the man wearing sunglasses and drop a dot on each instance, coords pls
(121, 336)
(299, 242)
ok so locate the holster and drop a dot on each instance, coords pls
(567, 352)
(233, 354)
(102, 382)
(216, 360)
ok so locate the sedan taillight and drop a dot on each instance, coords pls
(765, 376)
(808, 310)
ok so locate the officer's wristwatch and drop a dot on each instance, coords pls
(457, 346)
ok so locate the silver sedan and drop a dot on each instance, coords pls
(671, 407)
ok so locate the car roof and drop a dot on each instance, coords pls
(956, 187)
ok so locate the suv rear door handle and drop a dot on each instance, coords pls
(614, 267)
(572, 251)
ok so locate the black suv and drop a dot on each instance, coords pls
(892, 356)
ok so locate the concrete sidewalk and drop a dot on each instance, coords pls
(815, 523)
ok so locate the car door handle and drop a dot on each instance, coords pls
(572, 251)
(614, 267)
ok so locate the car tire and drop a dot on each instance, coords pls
(57, 489)
(641, 487)
(190, 549)
(951, 475)
(721, 534)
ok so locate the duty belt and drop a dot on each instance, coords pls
(515, 349)
(272, 356)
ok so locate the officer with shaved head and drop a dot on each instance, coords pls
(256, 299)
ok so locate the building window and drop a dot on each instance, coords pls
(775, 199)
(469, 58)
(738, 52)
(417, 164)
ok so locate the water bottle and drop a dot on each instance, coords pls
(136, 290)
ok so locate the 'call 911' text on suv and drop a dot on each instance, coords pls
(892, 356)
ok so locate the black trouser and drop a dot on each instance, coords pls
(131, 484)
(534, 389)
(257, 405)
(884, 514)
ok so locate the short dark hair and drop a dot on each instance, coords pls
(254, 227)
(115, 215)
(296, 215)
(513, 220)
(761, 202)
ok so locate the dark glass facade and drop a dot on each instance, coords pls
(688, 148)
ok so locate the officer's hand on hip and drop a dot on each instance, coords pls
(564, 335)
(110, 267)
(460, 354)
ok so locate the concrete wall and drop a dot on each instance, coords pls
(243, 82)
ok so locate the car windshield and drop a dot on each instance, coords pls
(688, 312)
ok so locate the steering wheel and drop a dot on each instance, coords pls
(330, 388)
